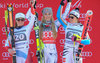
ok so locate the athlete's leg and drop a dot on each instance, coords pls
(67, 54)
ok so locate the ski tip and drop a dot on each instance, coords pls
(9, 5)
(90, 12)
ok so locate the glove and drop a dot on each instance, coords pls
(62, 2)
(76, 37)
(69, 0)
(78, 40)
(38, 53)
(33, 3)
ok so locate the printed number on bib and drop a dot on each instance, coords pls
(20, 37)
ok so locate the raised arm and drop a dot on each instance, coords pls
(31, 17)
(65, 14)
(61, 18)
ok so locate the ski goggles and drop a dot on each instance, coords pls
(22, 19)
(72, 17)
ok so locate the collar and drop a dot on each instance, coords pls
(19, 27)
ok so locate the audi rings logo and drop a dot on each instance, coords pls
(82, 16)
(32, 54)
(5, 54)
(3, 42)
(90, 28)
(62, 31)
(61, 53)
(39, 5)
(62, 41)
(61, 28)
(31, 41)
(87, 54)
(3, 30)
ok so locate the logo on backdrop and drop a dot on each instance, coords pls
(32, 54)
(61, 30)
(5, 54)
(21, 5)
(77, 4)
(4, 42)
(39, 5)
(90, 28)
(62, 41)
(31, 41)
(3, 30)
(84, 54)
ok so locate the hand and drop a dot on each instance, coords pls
(38, 53)
(75, 39)
(85, 41)
(33, 3)
(63, 2)
(69, 0)
(11, 51)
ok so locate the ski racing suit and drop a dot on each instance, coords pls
(69, 52)
(22, 37)
(50, 52)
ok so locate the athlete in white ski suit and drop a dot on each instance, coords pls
(69, 52)
(22, 37)
(50, 52)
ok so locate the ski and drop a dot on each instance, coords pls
(6, 17)
(38, 42)
(11, 25)
(87, 22)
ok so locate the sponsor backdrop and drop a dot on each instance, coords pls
(90, 53)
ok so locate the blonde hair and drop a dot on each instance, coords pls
(53, 27)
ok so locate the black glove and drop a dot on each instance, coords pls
(69, 0)
(38, 53)
(62, 2)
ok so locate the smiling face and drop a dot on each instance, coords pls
(20, 21)
(47, 16)
(73, 19)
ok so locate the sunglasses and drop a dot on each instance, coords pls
(71, 17)
(20, 19)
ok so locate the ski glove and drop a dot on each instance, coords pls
(38, 53)
(77, 38)
(62, 2)
(69, 0)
